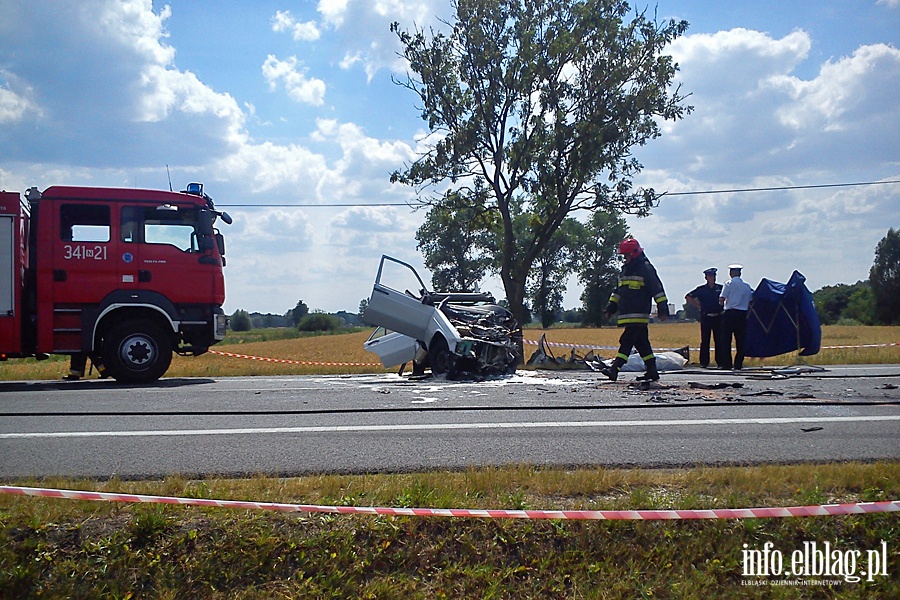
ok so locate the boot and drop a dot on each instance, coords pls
(652, 374)
(612, 372)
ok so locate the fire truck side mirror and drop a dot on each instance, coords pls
(205, 243)
(220, 240)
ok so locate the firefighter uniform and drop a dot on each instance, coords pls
(639, 286)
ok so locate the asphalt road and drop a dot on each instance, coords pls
(385, 423)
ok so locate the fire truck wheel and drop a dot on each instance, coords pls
(137, 352)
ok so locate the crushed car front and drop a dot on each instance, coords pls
(453, 333)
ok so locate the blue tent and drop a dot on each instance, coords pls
(783, 319)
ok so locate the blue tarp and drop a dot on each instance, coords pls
(783, 319)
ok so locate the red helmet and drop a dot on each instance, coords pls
(630, 247)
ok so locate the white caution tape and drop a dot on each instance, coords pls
(853, 508)
(295, 362)
(590, 347)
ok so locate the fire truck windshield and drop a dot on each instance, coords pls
(182, 227)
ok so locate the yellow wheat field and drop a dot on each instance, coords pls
(348, 348)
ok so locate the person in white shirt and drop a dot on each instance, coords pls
(735, 298)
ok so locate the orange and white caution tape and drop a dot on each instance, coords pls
(854, 508)
(861, 346)
(296, 362)
(562, 345)
(590, 347)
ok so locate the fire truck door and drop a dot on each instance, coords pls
(83, 271)
(169, 258)
(84, 255)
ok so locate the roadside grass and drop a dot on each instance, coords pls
(330, 352)
(61, 548)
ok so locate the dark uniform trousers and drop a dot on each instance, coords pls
(734, 325)
(637, 336)
(711, 327)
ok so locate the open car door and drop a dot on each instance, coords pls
(393, 306)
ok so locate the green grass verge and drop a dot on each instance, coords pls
(73, 549)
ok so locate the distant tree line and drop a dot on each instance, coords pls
(875, 301)
(298, 317)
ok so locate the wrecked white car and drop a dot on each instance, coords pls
(452, 333)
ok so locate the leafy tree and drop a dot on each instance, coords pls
(861, 306)
(363, 305)
(599, 268)
(296, 314)
(240, 321)
(456, 241)
(573, 315)
(552, 267)
(832, 300)
(884, 277)
(538, 103)
(319, 321)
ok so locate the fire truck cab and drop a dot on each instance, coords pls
(124, 276)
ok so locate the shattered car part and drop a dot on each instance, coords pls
(543, 358)
(450, 332)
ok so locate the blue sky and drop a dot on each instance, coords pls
(292, 102)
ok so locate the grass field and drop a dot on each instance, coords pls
(348, 348)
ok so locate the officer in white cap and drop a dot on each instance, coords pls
(735, 299)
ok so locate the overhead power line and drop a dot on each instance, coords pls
(664, 194)
(779, 188)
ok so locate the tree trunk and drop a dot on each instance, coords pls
(514, 286)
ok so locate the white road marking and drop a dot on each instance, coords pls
(446, 426)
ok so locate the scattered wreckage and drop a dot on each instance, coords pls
(452, 333)
(543, 358)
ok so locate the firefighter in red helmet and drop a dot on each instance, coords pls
(639, 286)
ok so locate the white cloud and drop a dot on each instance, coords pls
(363, 171)
(333, 11)
(273, 172)
(13, 106)
(301, 32)
(275, 232)
(298, 86)
(756, 121)
(848, 92)
(363, 27)
(367, 219)
(102, 66)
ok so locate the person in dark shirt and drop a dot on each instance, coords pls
(639, 286)
(706, 298)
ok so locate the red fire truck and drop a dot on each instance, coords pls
(123, 276)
